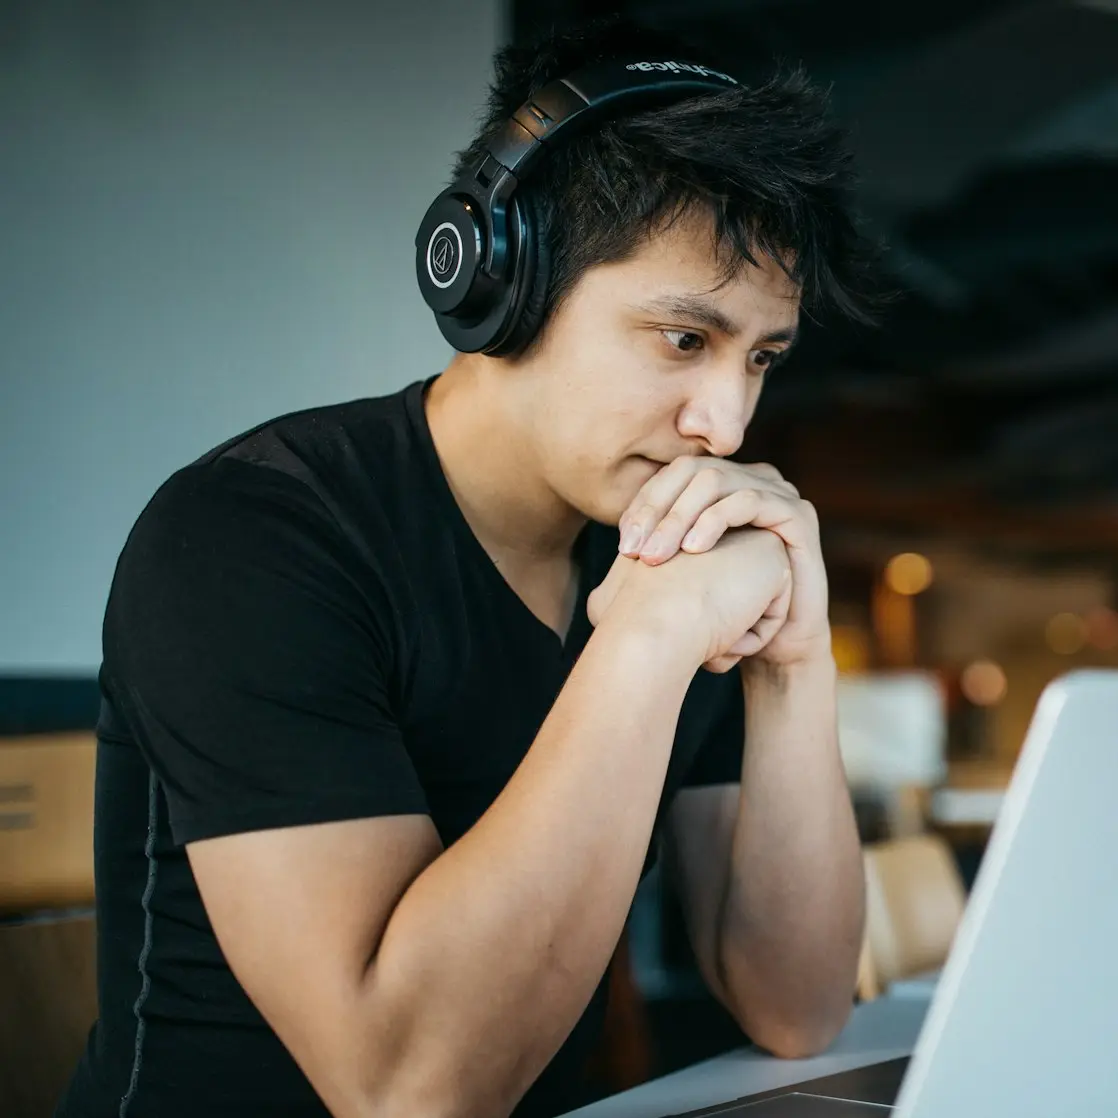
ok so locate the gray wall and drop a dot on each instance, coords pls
(206, 219)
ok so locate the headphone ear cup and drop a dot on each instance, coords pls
(527, 319)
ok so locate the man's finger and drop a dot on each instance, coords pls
(769, 624)
(722, 664)
(670, 503)
(759, 507)
(710, 505)
(705, 489)
(652, 501)
(770, 473)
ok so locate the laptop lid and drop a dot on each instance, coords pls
(1024, 1022)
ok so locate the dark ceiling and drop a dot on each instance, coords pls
(986, 135)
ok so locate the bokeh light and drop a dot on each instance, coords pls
(908, 573)
(1102, 628)
(984, 683)
(850, 647)
(1066, 633)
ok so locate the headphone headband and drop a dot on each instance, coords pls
(589, 95)
(480, 265)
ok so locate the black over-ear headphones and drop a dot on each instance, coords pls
(481, 266)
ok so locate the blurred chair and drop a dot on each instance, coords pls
(914, 902)
(868, 987)
(47, 937)
(906, 810)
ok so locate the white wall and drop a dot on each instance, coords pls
(206, 219)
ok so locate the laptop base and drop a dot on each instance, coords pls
(867, 1092)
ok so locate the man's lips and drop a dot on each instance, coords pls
(660, 462)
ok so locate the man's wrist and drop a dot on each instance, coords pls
(654, 636)
(815, 669)
(792, 707)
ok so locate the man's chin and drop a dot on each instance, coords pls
(616, 494)
(603, 509)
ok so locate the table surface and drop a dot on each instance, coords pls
(879, 1030)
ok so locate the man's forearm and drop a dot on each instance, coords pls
(792, 922)
(494, 951)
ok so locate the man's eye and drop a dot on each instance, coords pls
(765, 358)
(686, 341)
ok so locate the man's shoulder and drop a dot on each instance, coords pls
(331, 438)
(313, 478)
(332, 452)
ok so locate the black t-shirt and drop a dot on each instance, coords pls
(303, 628)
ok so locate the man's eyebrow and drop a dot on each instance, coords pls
(702, 311)
(787, 334)
(695, 308)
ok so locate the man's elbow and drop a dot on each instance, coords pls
(784, 1018)
(445, 1084)
(406, 1101)
(796, 1040)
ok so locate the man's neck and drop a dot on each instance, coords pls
(493, 468)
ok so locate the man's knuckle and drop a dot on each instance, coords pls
(708, 480)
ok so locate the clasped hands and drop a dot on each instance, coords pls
(737, 549)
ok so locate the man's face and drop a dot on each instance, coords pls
(648, 360)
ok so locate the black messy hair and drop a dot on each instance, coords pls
(765, 161)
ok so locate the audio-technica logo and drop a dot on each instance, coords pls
(444, 255)
(682, 67)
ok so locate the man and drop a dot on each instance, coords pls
(394, 720)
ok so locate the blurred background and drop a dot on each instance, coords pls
(206, 219)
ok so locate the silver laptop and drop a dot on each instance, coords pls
(1024, 1021)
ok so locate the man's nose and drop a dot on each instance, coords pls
(718, 413)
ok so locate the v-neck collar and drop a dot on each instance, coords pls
(578, 625)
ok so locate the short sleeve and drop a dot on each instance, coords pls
(715, 706)
(250, 651)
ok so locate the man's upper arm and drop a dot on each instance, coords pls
(299, 913)
(697, 849)
(249, 648)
